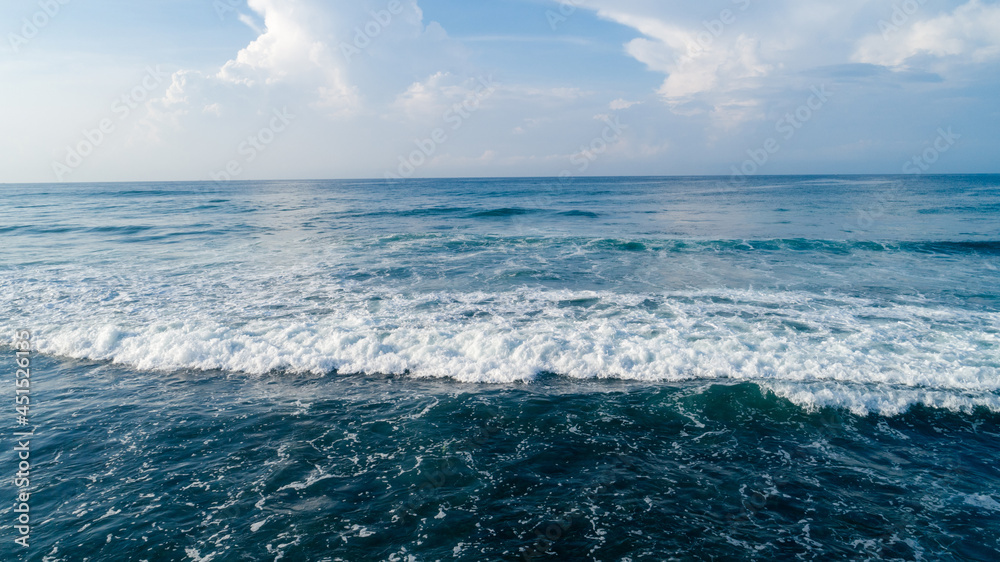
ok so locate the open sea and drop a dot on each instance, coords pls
(607, 369)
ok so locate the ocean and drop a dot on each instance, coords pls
(609, 369)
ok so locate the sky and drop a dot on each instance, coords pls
(180, 90)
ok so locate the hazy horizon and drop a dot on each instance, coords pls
(554, 178)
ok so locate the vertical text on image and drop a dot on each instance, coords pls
(22, 448)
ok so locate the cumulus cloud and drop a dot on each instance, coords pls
(695, 60)
(726, 45)
(328, 59)
(294, 48)
(970, 33)
(708, 63)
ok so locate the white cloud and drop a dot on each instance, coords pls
(706, 94)
(298, 59)
(250, 22)
(294, 47)
(694, 60)
(738, 61)
(435, 95)
(971, 33)
(707, 66)
(621, 103)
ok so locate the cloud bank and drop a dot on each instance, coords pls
(695, 86)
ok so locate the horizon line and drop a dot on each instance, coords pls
(566, 179)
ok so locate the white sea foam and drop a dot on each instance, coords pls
(816, 350)
(982, 502)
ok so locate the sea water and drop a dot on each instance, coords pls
(492, 369)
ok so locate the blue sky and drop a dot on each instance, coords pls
(269, 89)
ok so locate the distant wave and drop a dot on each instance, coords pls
(504, 212)
(141, 233)
(841, 247)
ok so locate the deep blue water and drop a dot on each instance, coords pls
(592, 369)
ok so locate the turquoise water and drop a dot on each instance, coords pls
(594, 369)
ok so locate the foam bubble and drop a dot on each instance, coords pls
(816, 350)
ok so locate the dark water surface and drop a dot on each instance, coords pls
(194, 465)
